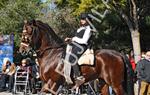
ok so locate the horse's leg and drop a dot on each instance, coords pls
(105, 90)
(44, 88)
(54, 87)
(118, 90)
(47, 87)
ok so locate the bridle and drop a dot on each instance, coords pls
(26, 41)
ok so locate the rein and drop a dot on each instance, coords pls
(41, 52)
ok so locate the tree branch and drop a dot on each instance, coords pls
(123, 15)
(134, 12)
(130, 8)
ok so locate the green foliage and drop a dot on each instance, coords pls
(148, 20)
(111, 31)
(61, 21)
(14, 12)
(112, 28)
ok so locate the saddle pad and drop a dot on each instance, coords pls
(87, 58)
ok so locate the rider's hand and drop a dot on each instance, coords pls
(67, 39)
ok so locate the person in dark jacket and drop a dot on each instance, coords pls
(143, 74)
(35, 76)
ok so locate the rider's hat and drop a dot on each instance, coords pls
(84, 16)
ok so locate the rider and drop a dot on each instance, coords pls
(79, 43)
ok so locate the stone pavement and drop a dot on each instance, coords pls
(6, 93)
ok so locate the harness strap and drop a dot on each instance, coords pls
(24, 44)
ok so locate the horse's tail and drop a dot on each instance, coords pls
(128, 83)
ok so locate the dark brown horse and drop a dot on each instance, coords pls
(109, 64)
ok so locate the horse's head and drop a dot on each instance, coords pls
(38, 36)
(28, 36)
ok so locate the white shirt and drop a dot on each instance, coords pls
(86, 36)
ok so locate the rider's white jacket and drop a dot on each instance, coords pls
(83, 35)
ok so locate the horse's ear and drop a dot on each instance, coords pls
(34, 22)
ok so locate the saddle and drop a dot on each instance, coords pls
(87, 58)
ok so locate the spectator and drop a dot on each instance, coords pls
(143, 74)
(24, 69)
(35, 76)
(143, 55)
(131, 58)
(25, 64)
(8, 71)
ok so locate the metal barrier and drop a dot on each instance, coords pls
(21, 80)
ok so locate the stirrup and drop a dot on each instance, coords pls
(80, 80)
(68, 80)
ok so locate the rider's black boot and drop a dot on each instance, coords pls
(78, 78)
(76, 71)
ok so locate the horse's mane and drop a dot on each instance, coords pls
(48, 31)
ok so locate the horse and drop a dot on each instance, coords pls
(109, 66)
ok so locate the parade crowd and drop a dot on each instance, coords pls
(141, 69)
(7, 76)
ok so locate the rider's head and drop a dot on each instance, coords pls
(84, 18)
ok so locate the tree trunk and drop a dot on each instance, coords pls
(136, 45)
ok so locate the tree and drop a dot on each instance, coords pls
(14, 12)
(110, 28)
(60, 19)
(132, 12)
